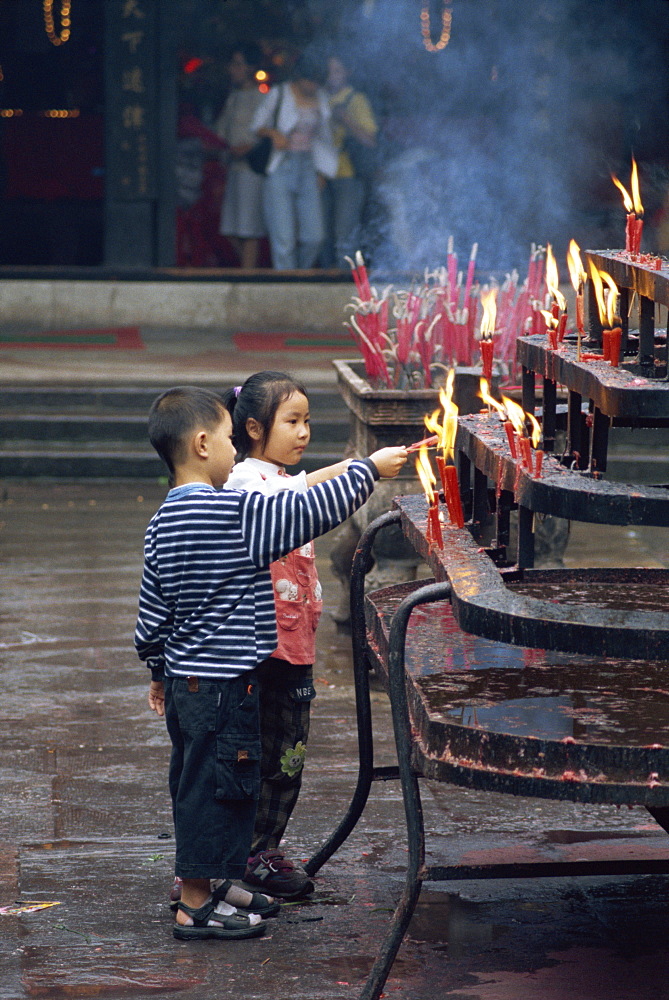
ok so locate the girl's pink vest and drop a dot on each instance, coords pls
(297, 596)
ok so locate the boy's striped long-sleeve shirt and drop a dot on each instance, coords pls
(206, 605)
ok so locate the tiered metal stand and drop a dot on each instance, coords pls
(562, 692)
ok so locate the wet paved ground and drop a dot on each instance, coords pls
(84, 818)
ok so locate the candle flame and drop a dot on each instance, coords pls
(446, 427)
(484, 393)
(549, 318)
(515, 414)
(606, 302)
(489, 305)
(632, 202)
(575, 264)
(450, 424)
(634, 184)
(611, 298)
(553, 278)
(627, 201)
(425, 474)
(536, 429)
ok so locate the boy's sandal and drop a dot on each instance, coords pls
(209, 922)
(261, 904)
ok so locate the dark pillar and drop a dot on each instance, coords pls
(140, 132)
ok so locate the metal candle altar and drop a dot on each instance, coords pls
(590, 648)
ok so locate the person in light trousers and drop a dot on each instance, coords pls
(296, 115)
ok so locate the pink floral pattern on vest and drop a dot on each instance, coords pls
(297, 596)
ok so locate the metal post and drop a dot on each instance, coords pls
(549, 414)
(525, 537)
(464, 478)
(593, 323)
(646, 332)
(480, 508)
(600, 440)
(528, 394)
(362, 562)
(504, 504)
(624, 308)
(413, 809)
(574, 424)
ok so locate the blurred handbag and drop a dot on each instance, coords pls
(258, 157)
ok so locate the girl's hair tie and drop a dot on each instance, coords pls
(237, 389)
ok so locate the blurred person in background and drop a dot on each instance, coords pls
(242, 220)
(296, 116)
(344, 196)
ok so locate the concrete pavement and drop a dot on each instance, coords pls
(84, 818)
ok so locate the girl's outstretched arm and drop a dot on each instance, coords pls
(327, 472)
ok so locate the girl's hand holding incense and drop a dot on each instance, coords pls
(389, 461)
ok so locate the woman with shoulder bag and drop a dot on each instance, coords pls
(295, 115)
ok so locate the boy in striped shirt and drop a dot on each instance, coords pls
(206, 620)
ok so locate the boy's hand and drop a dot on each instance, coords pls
(389, 461)
(157, 697)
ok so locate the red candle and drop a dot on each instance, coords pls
(526, 452)
(552, 338)
(562, 326)
(487, 349)
(441, 465)
(538, 462)
(615, 336)
(457, 516)
(629, 232)
(508, 427)
(606, 345)
(433, 521)
(638, 230)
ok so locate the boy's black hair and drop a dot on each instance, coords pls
(259, 398)
(177, 413)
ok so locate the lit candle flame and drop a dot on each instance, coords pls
(489, 306)
(576, 273)
(632, 202)
(536, 429)
(634, 184)
(425, 474)
(611, 298)
(446, 427)
(627, 201)
(606, 303)
(515, 413)
(484, 394)
(550, 320)
(553, 279)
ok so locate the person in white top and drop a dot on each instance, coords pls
(296, 116)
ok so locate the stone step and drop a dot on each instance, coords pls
(72, 427)
(84, 460)
(100, 431)
(324, 400)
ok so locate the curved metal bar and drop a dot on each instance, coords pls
(410, 791)
(362, 562)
